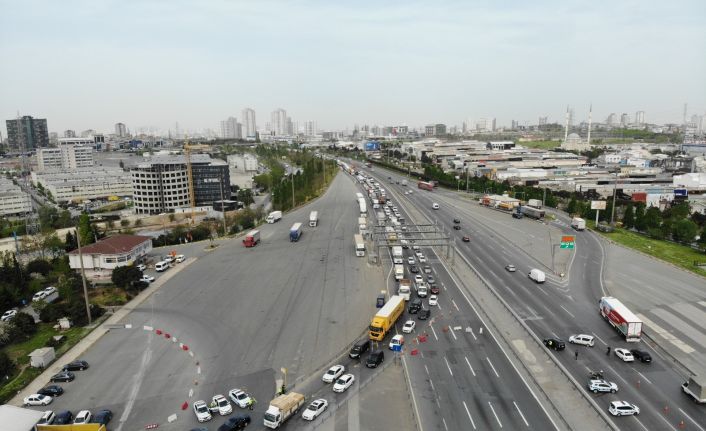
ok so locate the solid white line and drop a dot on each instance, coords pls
(695, 423)
(438, 306)
(638, 421)
(496, 415)
(453, 333)
(427, 369)
(520, 412)
(191, 392)
(469, 366)
(469, 415)
(567, 311)
(434, 332)
(198, 370)
(454, 303)
(444, 421)
(448, 366)
(491, 366)
(643, 376)
(599, 339)
(474, 334)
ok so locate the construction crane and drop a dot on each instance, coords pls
(187, 151)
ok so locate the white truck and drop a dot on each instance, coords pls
(578, 223)
(282, 408)
(535, 203)
(537, 276)
(397, 256)
(695, 387)
(359, 245)
(621, 318)
(363, 207)
(313, 218)
(404, 183)
(274, 217)
(362, 225)
(399, 272)
(405, 288)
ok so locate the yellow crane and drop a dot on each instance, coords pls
(190, 177)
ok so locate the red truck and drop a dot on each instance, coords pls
(621, 318)
(252, 238)
(425, 185)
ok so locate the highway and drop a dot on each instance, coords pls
(562, 306)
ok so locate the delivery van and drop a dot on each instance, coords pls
(537, 276)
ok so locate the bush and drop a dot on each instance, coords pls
(53, 312)
(21, 327)
(39, 266)
(7, 367)
(123, 276)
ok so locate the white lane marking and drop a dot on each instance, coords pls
(438, 306)
(520, 412)
(198, 370)
(191, 392)
(491, 366)
(136, 383)
(434, 332)
(567, 311)
(444, 421)
(432, 385)
(448, 366)
(638, 421)
(148, 328)
(695, 423)
(495, 414)
(469, 366)
(469, 416)
(454, 303)
(453, 333)
(427, 369)
(444, 286)
(472, 333)
(643, 376)
(599, 339)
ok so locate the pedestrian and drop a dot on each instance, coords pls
(576, 355)
(607, 352)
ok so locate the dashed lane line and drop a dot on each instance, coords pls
(448, 366)
(469, 415)
(491, 366)
(469, 366)
(495, 414)
(520, 412)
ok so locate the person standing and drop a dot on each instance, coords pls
(576, 355)
(607, 352)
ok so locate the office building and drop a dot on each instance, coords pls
(310, 128)
(161, 183)
(624, 120)
(81, 184)
(249, 123)
(71, 153)
(543, 121)
(69, 133)
(120, 130)
(27, 133)
(231, 129)
(13, 201)
(610, 121)
(640, 118)
(486, 125)
(278, 122)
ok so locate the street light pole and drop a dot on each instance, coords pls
(83, 275)
(612, 210)
(292, 189)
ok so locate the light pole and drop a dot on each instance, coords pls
(612, 210)
(83, 275)
(292, 189)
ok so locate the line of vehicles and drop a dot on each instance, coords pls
(253, 237)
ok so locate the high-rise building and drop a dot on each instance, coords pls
(88, 133)
(120, 130)
(640, 118)
(624, 120)
(72, 153)
(610, 121)
(249, 123)
(278, 122)
(310, 128)
(486, 125)
(515, 125)
(231, 129)
(27, 133)
(69, 133)
(542, 121)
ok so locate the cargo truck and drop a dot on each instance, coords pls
(397, 256)
(405, 288)
(578, 223)
(425, 186)
(385, 319)
(399, 272)
(358, 196)
(695, 387)
(313, 218)
(274, 217)
(363, 225)
(532, 212)
(363, 207)
(535, 203)
(359, 245)
(622, 319)
(295, 232)
(404, 183)
(252, 238)
(282, 408)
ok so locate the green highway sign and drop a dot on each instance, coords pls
(567, 241)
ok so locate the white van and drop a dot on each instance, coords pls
(537, 275)
(161, 266)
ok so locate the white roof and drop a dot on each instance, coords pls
(17, 418)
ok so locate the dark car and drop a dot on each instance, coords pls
(457, 227)
(359, 348)
(424, 314)
(457, 221)
(76, 366)
(554, 343)
(375, 358)
(51, 390)
(236, 422)
(642, 355)
(466, 239)
(413, 269)
(434, 289)
(414, 306)
(64, 418)
(63, 376)
(102, 417)
(517, 215)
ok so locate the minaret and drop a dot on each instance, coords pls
(590, 111)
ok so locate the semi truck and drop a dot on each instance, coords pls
(385, 319)
(532, 212)
(363, 225)
(399, 272)
(695, 387)
(578, 223)
(358, 196)
(621, 318)
(397, 256)
(252, 238)
(405, 289)
(313, 218)
(282, 408)
(295, 232)
(274, 217)
(425, 185)
(359, 245)
(363, 206)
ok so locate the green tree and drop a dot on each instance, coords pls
(702, 239)
(138, 223)
(640, 223)
(124, 222)
(7, 367)
(653, 217)
(48, 216)
(39, 266)
(571, 207)
(245, 196)
(124, 276)
(629, 217)
(684, 231)
(64, 219)
(84, 230)
(70, 243)
(24, 324)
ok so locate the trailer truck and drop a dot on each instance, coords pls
(535, 203)
(385, 319)
(362, 225)
(313, 218)
(425, 185)
(363, 207)
(252, 238)
(282, 408)
(274, 217)
(621, 318)
(359, 245)
(532, 212)
(397, 254)
(295, 232)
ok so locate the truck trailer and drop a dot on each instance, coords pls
(425, 185)
(535, 203)
(532, 212)
(695, 387)
(274, 217)
(282, 408)
(359, 245)
(295, 232)
(313, 218)
(252, 238)
(385, 319)
(622, 319)
(397, 256)
(363, 207)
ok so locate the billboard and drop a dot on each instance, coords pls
(372, 146)
(681, 193)
(597, 205)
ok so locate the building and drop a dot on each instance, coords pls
(72, 153)
(120, 130)
(542, 121)
(574, 142)
(310, 128)
(640, 118)
(278, 122)
(77, 185)
(27, 133)
(161, 183)
(242, 168)
(486, 125)
(69, 133)
(231, 129)
(249, 123)
(624, 120)
(100, 258)
(13, 201)
(610, 121)
(15, 418)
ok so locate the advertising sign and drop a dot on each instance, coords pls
(598, 205)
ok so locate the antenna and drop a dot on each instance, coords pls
(590, 111)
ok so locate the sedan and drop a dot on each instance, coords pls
(315, 409)
(435, 206)
(39, 296)
(102, 417)
(554, 343)
(510, 268)
(422, 259)
(457, 227)
(38, 400)
(142, 267)
(222, 405)
(180, 258)
(430, 279)
(466, 239)
(624, 354)
(64, 417)
(410, 260)
(424, 314)
(240, 398)
(641, 355)
(201, 411)
(9, 314)
(237, 422)
(434, 289)
(82, 417)
(409, 326)
(147, 278)
(457, 220)
(51, 390)
(427, 269)
(333, 373)
(418, 279)
(63, 376)
(596, 386)
(433, 300)
(49, 290)
(47, 418)
(413, 269)
(75, 366)
(343, 383)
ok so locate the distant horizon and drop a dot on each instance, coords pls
(79, 65)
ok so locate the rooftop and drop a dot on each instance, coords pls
(114, 245)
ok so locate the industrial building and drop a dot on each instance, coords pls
(85, 183)
(13, 201)
(71, 153)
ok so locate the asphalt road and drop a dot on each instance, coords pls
(565, 306)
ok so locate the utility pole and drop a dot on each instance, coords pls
(83, 275)
(466, 178)
(612, 210)
(292, 189)
(223, 209)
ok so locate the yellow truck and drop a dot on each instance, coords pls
(385, 319)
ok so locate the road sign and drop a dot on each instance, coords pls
(397, 348)
(567, 241)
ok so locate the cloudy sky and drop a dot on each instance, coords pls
(90, 64)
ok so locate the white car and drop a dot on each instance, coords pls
(82, 417)
(410, 260)
(315, 409)
(397, 340)
(168, 259)
(38, 400)
(418, 279)
(596, 386)
(409, 326)
(407, 192)
(622, 408)
(47, 418)
(435, 206)
(376, 206)
(49, 290)
(583, 339)
(344, 382)
(433, 300)
(422, 258)
(416, 249)
(142, 267)
(180, 258)
(240, 398)
(39, 296)
(9, 314)
(147, 278)
(202, 412)
(222, 404)
(624, 354)
(333, 373)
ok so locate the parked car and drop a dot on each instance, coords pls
(641, 355)
(180, 258)
(64, 417)
(554, 343)
(237, 422)
(82, 417)
(49, 290)
(582, 339)
(201, 411)
(222, 405)
(39, 296)
(102, 417)
(76, 366)
(624, 354)
(47, 418)
(147, 278)
(37, 400)
(9, 314)
(622, 408)
(51, 390)
(333, 373)
(239, 398)
(315, 409)
(142, 267)
(63, 376)
(596, 386)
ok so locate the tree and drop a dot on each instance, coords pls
(245, 196)
(38, 266)
(138, 223)
(24, 325)
(84, 230)
(702, 239)
(70, 244)
(7, 367)
(684, 230)
(653, 217)
(640, 223)
(629, 217)
(124, 276)
(571, 207)
(124, 222)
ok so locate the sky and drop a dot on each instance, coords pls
(89, 64)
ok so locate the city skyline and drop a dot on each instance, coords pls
(456, 62)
